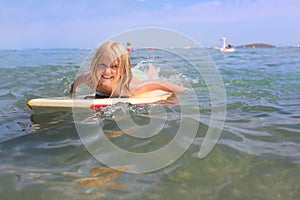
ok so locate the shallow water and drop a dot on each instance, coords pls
(257, 155)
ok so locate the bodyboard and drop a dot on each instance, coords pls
(95, 103)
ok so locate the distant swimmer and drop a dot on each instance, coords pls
(229, 46)
(225, 47)
(129, 48)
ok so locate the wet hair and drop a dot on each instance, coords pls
(121, 55)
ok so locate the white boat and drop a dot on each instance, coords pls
(225, 47)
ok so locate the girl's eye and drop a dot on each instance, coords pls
(101, 66)
(114, 67)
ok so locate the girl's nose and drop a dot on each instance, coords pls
(107, 69)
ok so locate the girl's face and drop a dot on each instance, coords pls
(108, 70)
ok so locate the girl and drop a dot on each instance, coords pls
(111, 75)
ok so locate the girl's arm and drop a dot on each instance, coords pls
(151, 85)
(81, 79)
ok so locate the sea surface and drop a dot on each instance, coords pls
(257, 155)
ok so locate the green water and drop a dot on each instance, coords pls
(256, 157)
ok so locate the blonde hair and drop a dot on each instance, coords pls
(121, 55)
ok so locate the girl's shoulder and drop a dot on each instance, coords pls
(86, 73)
(87, 78)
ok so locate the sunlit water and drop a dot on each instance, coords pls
(257, 155)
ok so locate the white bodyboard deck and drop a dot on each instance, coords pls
(90, 102)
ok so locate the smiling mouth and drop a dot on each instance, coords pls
(107, 77)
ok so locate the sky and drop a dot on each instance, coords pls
(85, 23)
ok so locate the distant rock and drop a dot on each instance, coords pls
(256, 45)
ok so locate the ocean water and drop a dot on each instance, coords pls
(257, 155)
